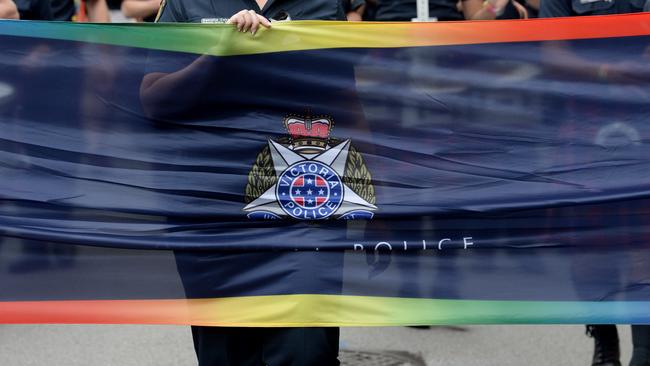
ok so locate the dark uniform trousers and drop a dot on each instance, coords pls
(266, 346)
(214, 275)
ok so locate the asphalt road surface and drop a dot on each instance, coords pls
(126, 345)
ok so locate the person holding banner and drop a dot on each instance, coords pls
(248, 15)
(218, 274)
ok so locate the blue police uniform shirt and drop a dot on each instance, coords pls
(62, 10)
(405, 10)
(566, 8)
(34, 9)
(219, 11)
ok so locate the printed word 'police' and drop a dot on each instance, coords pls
(446, 243)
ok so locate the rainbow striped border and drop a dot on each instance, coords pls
(322, 310)
(224, 40)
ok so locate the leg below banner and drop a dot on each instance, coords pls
(229, 346)
(606, 348)
(641, 343)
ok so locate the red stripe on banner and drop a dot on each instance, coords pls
(525, 30)
(96, 312)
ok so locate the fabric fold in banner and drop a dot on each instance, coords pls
(326, 173)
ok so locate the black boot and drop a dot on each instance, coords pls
(606, 351)
(641, 343)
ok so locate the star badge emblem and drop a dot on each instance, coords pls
(309, 187)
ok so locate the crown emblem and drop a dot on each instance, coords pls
(309, 134)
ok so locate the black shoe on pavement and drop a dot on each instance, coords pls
(606, 349)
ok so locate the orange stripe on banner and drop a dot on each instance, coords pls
(549, 29)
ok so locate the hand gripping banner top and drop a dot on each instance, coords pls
(326, 173)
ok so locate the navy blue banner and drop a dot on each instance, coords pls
(510, 145)
(503, 171)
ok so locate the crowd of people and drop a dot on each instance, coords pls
(354, 10)
(220, 347)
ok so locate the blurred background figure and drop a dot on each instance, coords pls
(8, 10)
(140, 10)
(606, 345)
(566, 8)
(499, 9)
(354, 10)
(34, 9)
(94, 11)
(406, 10)
(441, 10)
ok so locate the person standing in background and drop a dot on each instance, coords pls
(387, 10)
(354, 10)
(94, 11)
(8, 10)
(140, 10)
(499, 9)
(606, 344)
(34, 9)
(406, 10)
(568, 8)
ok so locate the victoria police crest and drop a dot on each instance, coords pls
(309, 175)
